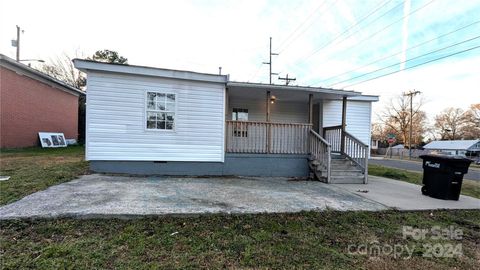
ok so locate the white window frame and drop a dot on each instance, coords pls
(146, 110)
(237, 132)
(236, 113)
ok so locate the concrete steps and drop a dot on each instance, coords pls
(346, 179)
(343, 171)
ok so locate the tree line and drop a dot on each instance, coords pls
(449, 124)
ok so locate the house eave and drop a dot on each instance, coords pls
(88, 65)
(22, 69)
(261, 86)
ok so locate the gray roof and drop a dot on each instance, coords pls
(451, 145)
(264, 86)
(86, 65)
(9, 63)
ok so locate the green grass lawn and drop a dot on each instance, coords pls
(419, 160)
(469, 187)
(301, 240)
(298, 240)
(34, 169)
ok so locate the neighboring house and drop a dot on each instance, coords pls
(144, 120)
(457, 147)
(32, 102)
(374, 144)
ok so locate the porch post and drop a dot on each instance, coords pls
(269, 130)
(344, 124)
(310, 109)
(226, 118)
(310, 121)
(269, 96)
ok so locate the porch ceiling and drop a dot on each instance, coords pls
(286, 92)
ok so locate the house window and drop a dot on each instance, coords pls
(160, 112)
(239, 129)
(240, 114)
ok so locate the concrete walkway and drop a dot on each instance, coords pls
(101, 195)
(405, 196)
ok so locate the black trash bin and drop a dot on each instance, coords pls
(443, 176)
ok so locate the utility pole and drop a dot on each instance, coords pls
(411, 94)
(270, 62)
(287, 79)
(17, 43)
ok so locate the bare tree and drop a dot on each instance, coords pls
(471, 122)
(378, 132)
(449, 122)
(62, 69)
(396, 117)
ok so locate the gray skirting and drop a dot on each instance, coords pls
(235, 164)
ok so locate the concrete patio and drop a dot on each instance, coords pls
(102, 195)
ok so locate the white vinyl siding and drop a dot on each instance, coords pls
(358, 117)
(116, 119)
(160, 110)
(280, 111)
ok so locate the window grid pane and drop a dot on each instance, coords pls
(160, 111)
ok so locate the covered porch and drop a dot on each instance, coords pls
(278, 119)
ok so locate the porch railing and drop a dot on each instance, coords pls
(333, 135)
(267, 137)
(320, 151)
(352, 148)
(356, 151)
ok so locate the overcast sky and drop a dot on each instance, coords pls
(321, 43)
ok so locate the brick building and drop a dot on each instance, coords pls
(32, 102)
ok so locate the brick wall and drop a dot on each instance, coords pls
(28, 106)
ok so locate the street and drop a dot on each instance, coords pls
(473, 174)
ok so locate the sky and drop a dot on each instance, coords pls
(344, 44)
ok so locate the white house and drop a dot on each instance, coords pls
(144, 120)
(454, 147)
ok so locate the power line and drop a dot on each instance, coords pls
(301, 24)
(399, 52)
(399, 20)
(306, 28)
(357, 23)
(421, 64)
(420, 56)
(256, 72)
(386, 27)
(353, 33)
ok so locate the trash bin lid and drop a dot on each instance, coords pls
(445, 158)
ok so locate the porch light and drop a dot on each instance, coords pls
(272, 99)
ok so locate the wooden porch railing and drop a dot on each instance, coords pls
(320, 151)
(333, 135)
(267, 137)
(353, 148)
(356, 151)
